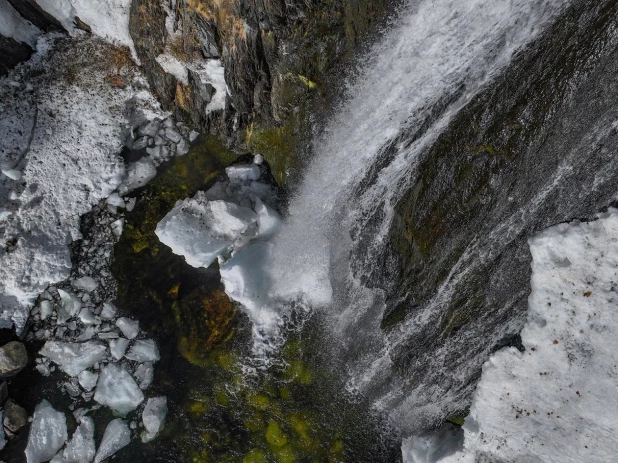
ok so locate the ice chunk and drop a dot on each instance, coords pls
(117, 227)
(73, 358)
(117, 435)
(153, 417)
(117, 390)
(13, 174)
(141, 143)
(143, 351)
(71, 306)
(144, 375)
(150, 129)
(268, 219)
(139, 173)
(80, 448)
(258, 159)
(193, 135)
(115, 200)
(118, 347)
(48, 433)
(87, 284)
(201, 230)
(130, 328)
(86, 316)
(46, 309)
(88, 380)
(242, 173)
(243, 278)
(109, 311)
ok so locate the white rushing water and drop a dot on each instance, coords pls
(436, 51)
(437, 55)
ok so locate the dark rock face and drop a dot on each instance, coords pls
(535, 149)
(147, 26)
(13, 358)
(31, 11)
(277, 56)
(12, 53)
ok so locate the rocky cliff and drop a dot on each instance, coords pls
(278, 57)
(532, 150)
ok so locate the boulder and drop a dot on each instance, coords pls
(15, 417)
(13, 358)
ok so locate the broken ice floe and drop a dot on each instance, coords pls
(117, 389)
(48, 432)
(153, 417)
(231, 222)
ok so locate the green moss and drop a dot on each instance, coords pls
(259, 401)
(458, 418)
(275, 436)
(278, 144)
(336, 453)
(298, 371)
(285, 393)
(286, 455)
(255, 456)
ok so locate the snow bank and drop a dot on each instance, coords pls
(13, 25)
(64, 139)
(173, 66)
(109, 19)
(556, 402)
(213, 73)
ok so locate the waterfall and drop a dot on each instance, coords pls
(436, 57)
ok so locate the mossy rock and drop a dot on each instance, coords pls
(275, 435)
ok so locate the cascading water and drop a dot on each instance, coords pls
(436, 58)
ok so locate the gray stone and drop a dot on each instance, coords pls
(150, 129)
(15, 417)
(172, 135)
(13, 358)
(140, 143)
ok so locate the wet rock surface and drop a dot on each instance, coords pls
(534, 149)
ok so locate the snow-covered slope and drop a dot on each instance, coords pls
(556, 401)
(59, 151)
(109, 19)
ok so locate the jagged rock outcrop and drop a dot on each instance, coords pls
(277, 57)
(12, 53)
(30, 10)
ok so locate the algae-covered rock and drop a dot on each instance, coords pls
(275, 436)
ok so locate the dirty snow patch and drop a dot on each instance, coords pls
(557, 400)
